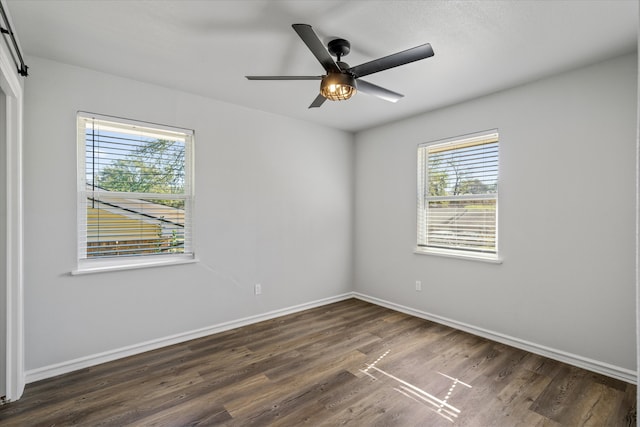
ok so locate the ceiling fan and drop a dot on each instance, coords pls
(342, 81)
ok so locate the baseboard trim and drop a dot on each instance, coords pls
(562, 356)
(108, 356)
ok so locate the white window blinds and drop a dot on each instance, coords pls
(458, 194)
(134, 189)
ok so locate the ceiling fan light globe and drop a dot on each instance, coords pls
(338, 87)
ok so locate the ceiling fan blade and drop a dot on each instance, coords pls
(318, 101)
(377, 91)
(410, 55)
(316, 47)
(284, 77)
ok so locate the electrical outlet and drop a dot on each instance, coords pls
(418, 285)
(257, 289)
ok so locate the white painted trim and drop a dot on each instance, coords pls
(110, 355)
(490, 258)
(562, 356)
(637, 270)
(11, 85)
(95, 266)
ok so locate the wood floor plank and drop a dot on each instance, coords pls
(512, 402)
(347, 363)
(627, 412)
(289, 402)
(565, 387)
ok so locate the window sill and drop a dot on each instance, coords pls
(106, 265)
(490, 258)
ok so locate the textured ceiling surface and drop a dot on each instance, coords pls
(207, 47)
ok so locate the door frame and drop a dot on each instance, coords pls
(11, 85)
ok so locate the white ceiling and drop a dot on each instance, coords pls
(207, 47)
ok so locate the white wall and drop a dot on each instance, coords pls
(275, 205)
(274, 202)
(567, 215)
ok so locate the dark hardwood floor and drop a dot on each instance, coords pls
(348, 363)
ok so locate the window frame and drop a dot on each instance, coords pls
(423, 199)
(86, 264)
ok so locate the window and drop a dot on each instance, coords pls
(458, 196)
(135, 193)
